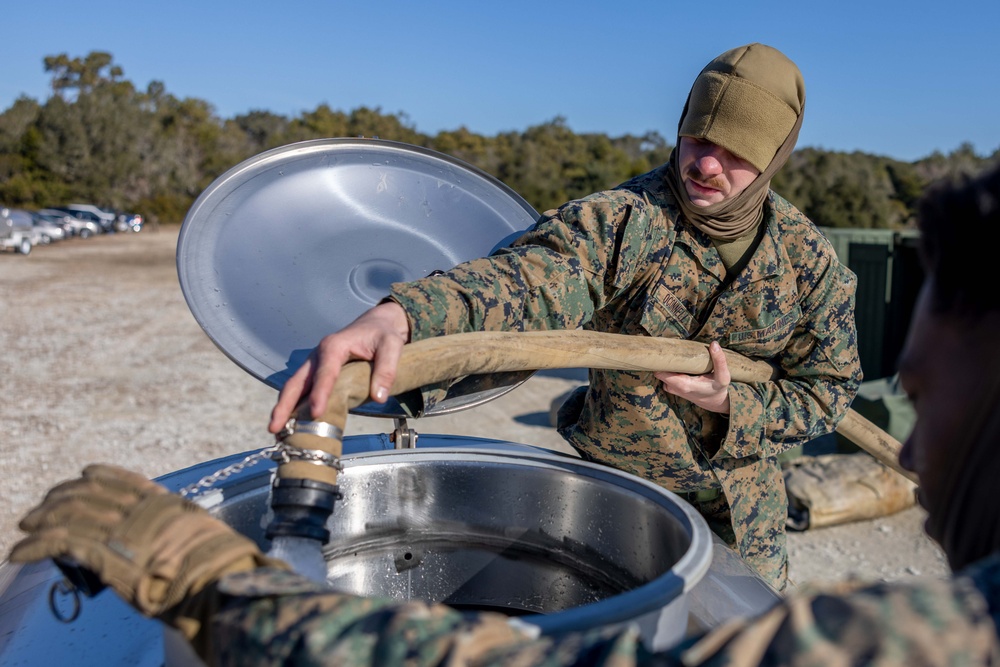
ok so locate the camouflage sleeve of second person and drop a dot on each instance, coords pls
(927, 622)
(273, 617)
(555, 276)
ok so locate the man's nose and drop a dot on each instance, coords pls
(708, 163)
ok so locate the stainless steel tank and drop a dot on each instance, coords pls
(562, 543)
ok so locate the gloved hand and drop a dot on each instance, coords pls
(157, 550)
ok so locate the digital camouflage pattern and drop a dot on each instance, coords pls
(623, 261)
(273, 617)
(931, 622)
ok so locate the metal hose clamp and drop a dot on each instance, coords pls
(321, 429)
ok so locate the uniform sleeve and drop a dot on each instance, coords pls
(821, 373)
(270, 617)
(931, 623)
(277, 618)
(555, 276)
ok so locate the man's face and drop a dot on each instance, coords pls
(938, 367)
(710, 173)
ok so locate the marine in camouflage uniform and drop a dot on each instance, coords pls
(271, 617)
(624, 261)
(630, 261)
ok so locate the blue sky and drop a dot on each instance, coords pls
(901, 79)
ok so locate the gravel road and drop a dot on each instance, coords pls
(102, 362)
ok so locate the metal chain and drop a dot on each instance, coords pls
(280, 451)
(207, 482)
(315, 456)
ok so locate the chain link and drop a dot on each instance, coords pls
(207, 482)
(315, 456)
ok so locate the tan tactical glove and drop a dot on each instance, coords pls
(157, 550)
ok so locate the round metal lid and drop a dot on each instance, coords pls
(297, 242)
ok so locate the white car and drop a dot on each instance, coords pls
(16, 233)
(84, 227)
(47, 230)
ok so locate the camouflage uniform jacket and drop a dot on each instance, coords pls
(272, 617)
(624, 261)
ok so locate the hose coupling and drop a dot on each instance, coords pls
(301, 508)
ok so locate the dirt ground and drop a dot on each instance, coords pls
(102, 361)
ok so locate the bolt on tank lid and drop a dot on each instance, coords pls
(295, 243)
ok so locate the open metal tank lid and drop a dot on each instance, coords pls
(295, 243)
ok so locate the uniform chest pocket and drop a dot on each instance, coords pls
(665, 316)
(765, 333)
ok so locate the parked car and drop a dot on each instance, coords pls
(80, 227)
(48, 230)
(16, 233)
(22, 218)
(60, 218)
(103, 218)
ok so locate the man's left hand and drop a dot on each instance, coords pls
(709, 391)
(154, 548)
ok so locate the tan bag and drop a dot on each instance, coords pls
(840, 488)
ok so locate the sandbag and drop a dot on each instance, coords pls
(833, 489)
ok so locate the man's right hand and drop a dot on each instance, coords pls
(378, 336)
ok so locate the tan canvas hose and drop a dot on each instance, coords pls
(447, 357)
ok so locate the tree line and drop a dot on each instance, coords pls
(99, 139)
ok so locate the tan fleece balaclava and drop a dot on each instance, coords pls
(750, 101)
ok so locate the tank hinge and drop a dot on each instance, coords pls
(403, 437)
